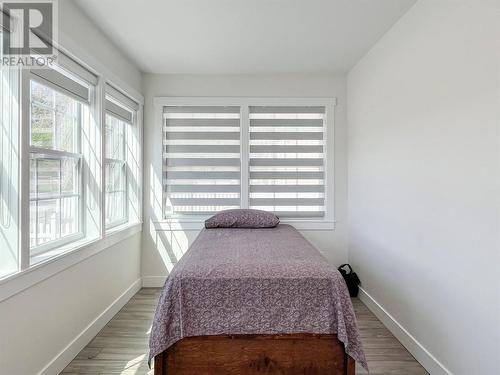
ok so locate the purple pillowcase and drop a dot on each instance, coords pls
(242, 218)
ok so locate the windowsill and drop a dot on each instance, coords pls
(60, 251)
(74, 253)
(118, 228)
(184, 223)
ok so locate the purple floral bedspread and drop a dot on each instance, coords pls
(254, 281)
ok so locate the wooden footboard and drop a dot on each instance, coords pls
(306, 354)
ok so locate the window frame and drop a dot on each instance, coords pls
(123, 102)
(39, 250)
(124, 164)
(327, 222)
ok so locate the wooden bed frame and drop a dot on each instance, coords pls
(305, 354)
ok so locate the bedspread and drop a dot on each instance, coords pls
(254, 281)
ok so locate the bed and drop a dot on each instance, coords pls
(251, 301)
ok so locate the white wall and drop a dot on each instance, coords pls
(160, 249)
(79, 34)
(423, 110)
(39, 322)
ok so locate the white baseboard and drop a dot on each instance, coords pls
(421, 354)
(153, 281)
(59, 362)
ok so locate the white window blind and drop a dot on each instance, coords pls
(201, 154)
(122, 98)
(78, 87)
(287, 160)
(118, 111)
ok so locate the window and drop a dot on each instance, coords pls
(246, 152)
(60, 187)
(202, 159)
(286, 160)
(63, 151)
(120, 118)
(115, 171)
(55, 167)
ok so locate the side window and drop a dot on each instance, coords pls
(55, 168)
(115, 171)
(120, 158)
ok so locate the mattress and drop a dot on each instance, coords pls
(254, 281)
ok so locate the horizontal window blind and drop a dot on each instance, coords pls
(201, 159)
(78, 88)
(71, 65)
(121, 97)
(118, 111)
(120, 105)
(286, 160)
(62, 83)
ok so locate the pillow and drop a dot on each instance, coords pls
(242, 218)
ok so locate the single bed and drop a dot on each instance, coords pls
(251, 301)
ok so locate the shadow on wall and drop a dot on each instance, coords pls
(134, 170)
(170, 243)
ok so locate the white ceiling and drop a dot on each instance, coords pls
(244, 36)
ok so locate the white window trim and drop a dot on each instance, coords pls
(180, 222)
(26, 276)
(124, 162)
(39, 251)
(133, 130)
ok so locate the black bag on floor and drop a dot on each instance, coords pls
(351, 279)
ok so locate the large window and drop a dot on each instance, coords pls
(55, 166)
(257, 154)
(70, 166)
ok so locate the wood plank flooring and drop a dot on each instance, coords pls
(384, 353)
(122, 346)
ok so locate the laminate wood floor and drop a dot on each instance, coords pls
(122, 345)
